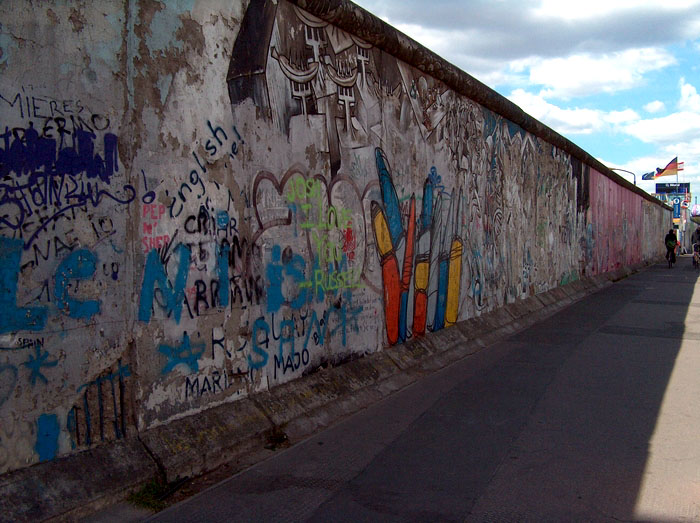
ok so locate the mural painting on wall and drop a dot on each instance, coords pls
(431, 249)
(211, 268)
(349, 203)
(440, 250)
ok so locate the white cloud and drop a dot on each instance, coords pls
(571, 120)
(677, 134)
(690, 100)
(436, 41)
(586, 74)
(450, 45)
(619, 117)
(677, 127)
(563, 77)
(654, 107)
(546, 53)
(565, 121)
(599, 8)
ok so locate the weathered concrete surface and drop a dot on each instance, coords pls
(590, 415)
(202, 202)
(356, 20)
(76, 484)
(237, 434)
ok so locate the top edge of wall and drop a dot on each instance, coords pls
(356, 20)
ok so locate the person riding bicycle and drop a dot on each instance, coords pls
(670, 241)
(695, 238)
(695, 242)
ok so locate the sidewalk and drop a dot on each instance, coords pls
(590, 415)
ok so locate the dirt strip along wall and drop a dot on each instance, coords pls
(200, 200)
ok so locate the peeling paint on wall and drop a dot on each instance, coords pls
(206, 199)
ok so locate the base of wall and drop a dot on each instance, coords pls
(242, 432)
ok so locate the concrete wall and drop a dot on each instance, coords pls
(203, 199)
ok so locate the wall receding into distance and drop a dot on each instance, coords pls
(200, 200)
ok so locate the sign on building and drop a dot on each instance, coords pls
(673, 188)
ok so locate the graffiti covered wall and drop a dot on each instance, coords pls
(200, 200)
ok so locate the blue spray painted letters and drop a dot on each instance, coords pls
(78, 265)
(15, 318)
(155, 273)
(259, 325)
(293, 265)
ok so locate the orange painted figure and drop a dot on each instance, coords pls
(432, 254)
(390, 272)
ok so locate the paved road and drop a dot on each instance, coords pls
(591, 415)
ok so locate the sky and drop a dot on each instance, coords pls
(619, 78)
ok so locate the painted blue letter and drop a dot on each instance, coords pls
(153, 273)
(275, 279)
(222, 254)
(15, 318)
(78, 265)
(259, 325)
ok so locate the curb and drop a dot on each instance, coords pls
(240, 433)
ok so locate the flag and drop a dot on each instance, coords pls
(649, 176)
(671, 169)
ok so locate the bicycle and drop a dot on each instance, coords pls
(671, 257)
(670, 252)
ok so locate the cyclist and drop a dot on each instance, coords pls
(695, 241)
(670, 241)
(695, 238)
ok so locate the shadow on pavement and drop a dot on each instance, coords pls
(596, 445)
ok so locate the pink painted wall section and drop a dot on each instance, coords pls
(616, 226)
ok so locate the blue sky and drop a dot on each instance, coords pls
(619, 78)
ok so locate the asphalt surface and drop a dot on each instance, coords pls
(590, 415)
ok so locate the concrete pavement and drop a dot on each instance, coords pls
(590, 415)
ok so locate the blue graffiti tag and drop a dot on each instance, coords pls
(36, 362)
(222, 219)
(275, 272)
(47, 437)
(15, 318)
(184, 354)
(174, 295)
(259, 325)
(78, 265)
